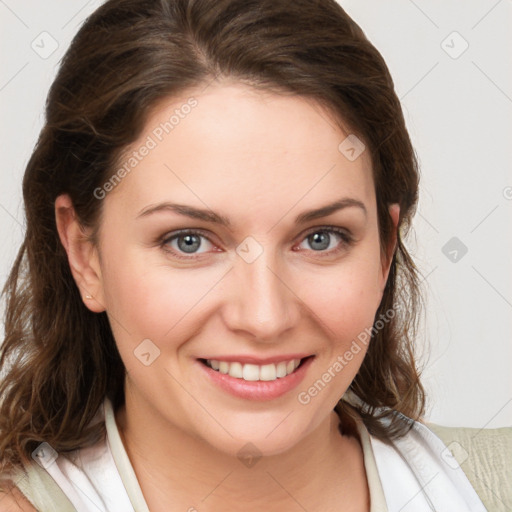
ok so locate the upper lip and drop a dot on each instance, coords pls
(245, 359)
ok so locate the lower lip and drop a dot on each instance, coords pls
(257, 390)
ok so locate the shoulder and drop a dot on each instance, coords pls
(12, 499)
(485, 456)
(31, 488)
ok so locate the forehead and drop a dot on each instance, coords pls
(240, 150)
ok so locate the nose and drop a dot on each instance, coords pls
(262, 303)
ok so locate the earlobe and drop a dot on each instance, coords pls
(82, 254)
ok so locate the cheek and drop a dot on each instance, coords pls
(148, 299)
(153, 300)
(345, 297)
(344, 301)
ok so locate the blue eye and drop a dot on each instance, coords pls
(187, 242)
(327, 239)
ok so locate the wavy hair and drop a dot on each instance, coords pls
(59, 360)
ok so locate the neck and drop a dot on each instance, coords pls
(174, 467)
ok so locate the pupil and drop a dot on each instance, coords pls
(320, 238)
(191, 243)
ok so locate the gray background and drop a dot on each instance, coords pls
(458, 105)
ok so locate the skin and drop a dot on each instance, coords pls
(12, 500)
(259, 159)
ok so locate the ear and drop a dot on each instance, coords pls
(82, 254)
(394, 213)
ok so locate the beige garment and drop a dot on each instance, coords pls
(485, 456)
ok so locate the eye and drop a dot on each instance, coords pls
(327, 240)
(187, 242)
(190, 244)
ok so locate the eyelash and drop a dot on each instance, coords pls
(346, 241)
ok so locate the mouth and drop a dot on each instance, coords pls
(243, 378)
(251, 372)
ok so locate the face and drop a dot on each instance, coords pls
(219, 252)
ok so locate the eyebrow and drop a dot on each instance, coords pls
(210, 216)
(324, 211)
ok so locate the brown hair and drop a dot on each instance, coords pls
(59, 359)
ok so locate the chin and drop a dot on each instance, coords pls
(266, 435)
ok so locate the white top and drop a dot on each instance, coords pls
(415, 473)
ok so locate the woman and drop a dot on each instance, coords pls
(213, 307)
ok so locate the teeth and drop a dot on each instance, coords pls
(254, 372)
(281, 369)
(268, 372)
(250, 371)
(235, 370)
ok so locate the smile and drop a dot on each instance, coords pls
(252, 381)
(254, 372)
